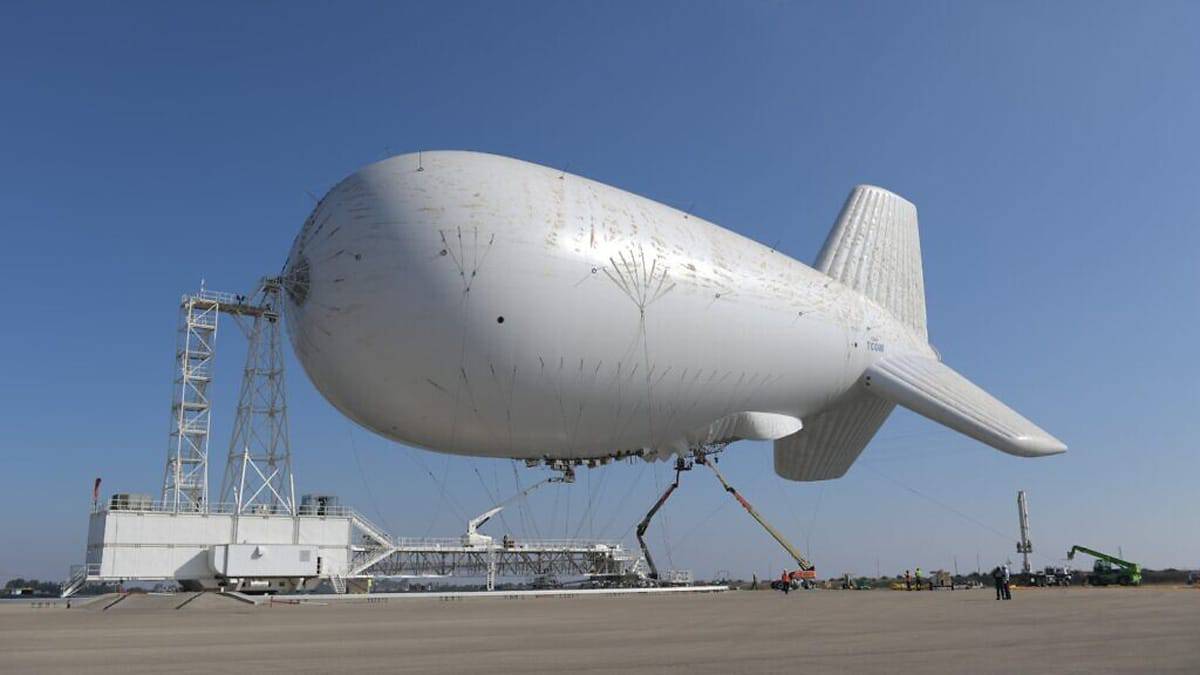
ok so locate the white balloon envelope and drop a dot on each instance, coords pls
(480, 305)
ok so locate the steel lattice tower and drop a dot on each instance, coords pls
(185, 480)
(258, 471)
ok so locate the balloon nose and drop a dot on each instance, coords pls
(296, 281)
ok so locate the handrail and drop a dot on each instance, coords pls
(516, 543)
(221, 297)
(158, 506)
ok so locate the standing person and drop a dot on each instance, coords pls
(918, 578)
(998, 578)
(1007, 586)
(786, 581)
(907, 580)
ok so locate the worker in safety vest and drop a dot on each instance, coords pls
(918, 578)
(786, 581)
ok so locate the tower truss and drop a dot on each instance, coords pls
(185, 479)
(258, 470)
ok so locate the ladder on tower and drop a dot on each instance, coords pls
(185, 479)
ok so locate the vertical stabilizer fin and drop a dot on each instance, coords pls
(875, 248)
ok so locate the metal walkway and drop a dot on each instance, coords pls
(506, 558)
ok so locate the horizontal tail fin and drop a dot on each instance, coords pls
(930, 388)
(875, 248)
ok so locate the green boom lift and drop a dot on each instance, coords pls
(1109, 569)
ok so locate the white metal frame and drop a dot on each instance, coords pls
(258, 470)
(185, 479)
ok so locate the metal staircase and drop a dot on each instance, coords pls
(79, 577)
(338, 582)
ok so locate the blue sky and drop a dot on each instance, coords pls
(1050, 148)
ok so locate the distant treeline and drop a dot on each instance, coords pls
(50, 589)
(32, 587)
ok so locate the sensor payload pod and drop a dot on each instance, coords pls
(480, 305)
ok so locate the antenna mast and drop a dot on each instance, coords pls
(1024, 546)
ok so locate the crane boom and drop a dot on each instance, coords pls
(645, 523)
(801, 561)
(1102, 572)
(1123, 564)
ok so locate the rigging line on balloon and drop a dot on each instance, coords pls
(689, 393)
(624, 499)
(649, 387)
(562, 405)
(470, 393)
(524, 505)
(702, 522)
(664, 531)
(589, 510)
(733, 393)
(751, 389)
(558, 487)
(599, 500)
(585, 277)
(462, 357)
(633, 414)
(488, 492)
(791, 507)
(363, 476)
(475, 253)
(920, 453)
(812, 523)
(584, 398)
(445, 497)
(936, 446)
(481, 259)
(567, 515)
(614, 429)
(453, 257)
(525, 529)
(496, 487)
(662, 376)
(512, 391)
(619, 280)
(588, 396)
(939, 438)
(940, 503)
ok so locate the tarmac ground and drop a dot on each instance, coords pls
(1082, 630)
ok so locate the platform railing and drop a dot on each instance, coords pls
(136, 505)
(515, 543)
(220, 297)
